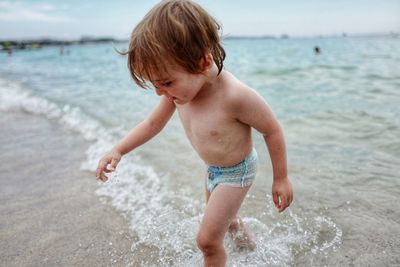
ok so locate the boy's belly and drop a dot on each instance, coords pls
(218, 138)
(220, 148)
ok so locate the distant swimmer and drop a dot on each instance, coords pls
(317, 50)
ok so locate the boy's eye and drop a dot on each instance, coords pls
(166, 84)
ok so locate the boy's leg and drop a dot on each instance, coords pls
(237, 217)
(242, 238)
(222, 207)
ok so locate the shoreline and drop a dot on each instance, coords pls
(50, 213)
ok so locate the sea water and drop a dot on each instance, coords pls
(340, 111)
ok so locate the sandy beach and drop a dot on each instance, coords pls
(49, 213)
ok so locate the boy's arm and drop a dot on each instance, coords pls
(148, 128)
(250, 108)
(139, 135)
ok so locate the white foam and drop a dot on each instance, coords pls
(13, 98)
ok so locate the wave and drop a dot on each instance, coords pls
(300, 70)
(380, 77)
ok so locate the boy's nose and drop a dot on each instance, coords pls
(159, 92)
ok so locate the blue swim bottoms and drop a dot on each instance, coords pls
(239, 175)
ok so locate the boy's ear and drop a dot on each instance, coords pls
(206, 62)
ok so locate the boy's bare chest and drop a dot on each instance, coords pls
(216, 135)
(204, 123)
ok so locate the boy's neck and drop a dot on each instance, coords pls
(212, 82)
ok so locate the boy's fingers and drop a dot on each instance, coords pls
(103, 177)
(284, 204)
(99, 172)
(275, 198)
(114, 163)
(101, 167)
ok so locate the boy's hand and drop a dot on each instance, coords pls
(108, 164)
(282, 193)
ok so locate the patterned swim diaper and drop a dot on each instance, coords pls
(239, 175)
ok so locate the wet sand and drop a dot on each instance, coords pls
(49, 213)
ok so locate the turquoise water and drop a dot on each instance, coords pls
(340, 111)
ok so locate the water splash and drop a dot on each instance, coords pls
(166, 222)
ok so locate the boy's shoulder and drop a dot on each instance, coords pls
(236, 92)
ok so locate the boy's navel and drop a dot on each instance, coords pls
(213, 133)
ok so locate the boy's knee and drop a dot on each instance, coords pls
(207, 243)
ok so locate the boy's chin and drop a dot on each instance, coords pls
(178, 101)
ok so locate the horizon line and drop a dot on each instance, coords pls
(226, 36)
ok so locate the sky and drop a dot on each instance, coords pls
(72, 19)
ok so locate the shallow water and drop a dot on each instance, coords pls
(341, 116)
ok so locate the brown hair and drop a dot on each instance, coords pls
(176, 32)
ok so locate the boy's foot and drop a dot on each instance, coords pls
(241, 237)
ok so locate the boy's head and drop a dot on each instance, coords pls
(174, 33)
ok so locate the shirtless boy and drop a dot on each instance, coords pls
(177, 48)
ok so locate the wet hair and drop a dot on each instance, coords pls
(174, 32)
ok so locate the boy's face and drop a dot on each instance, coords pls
(179, 85)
